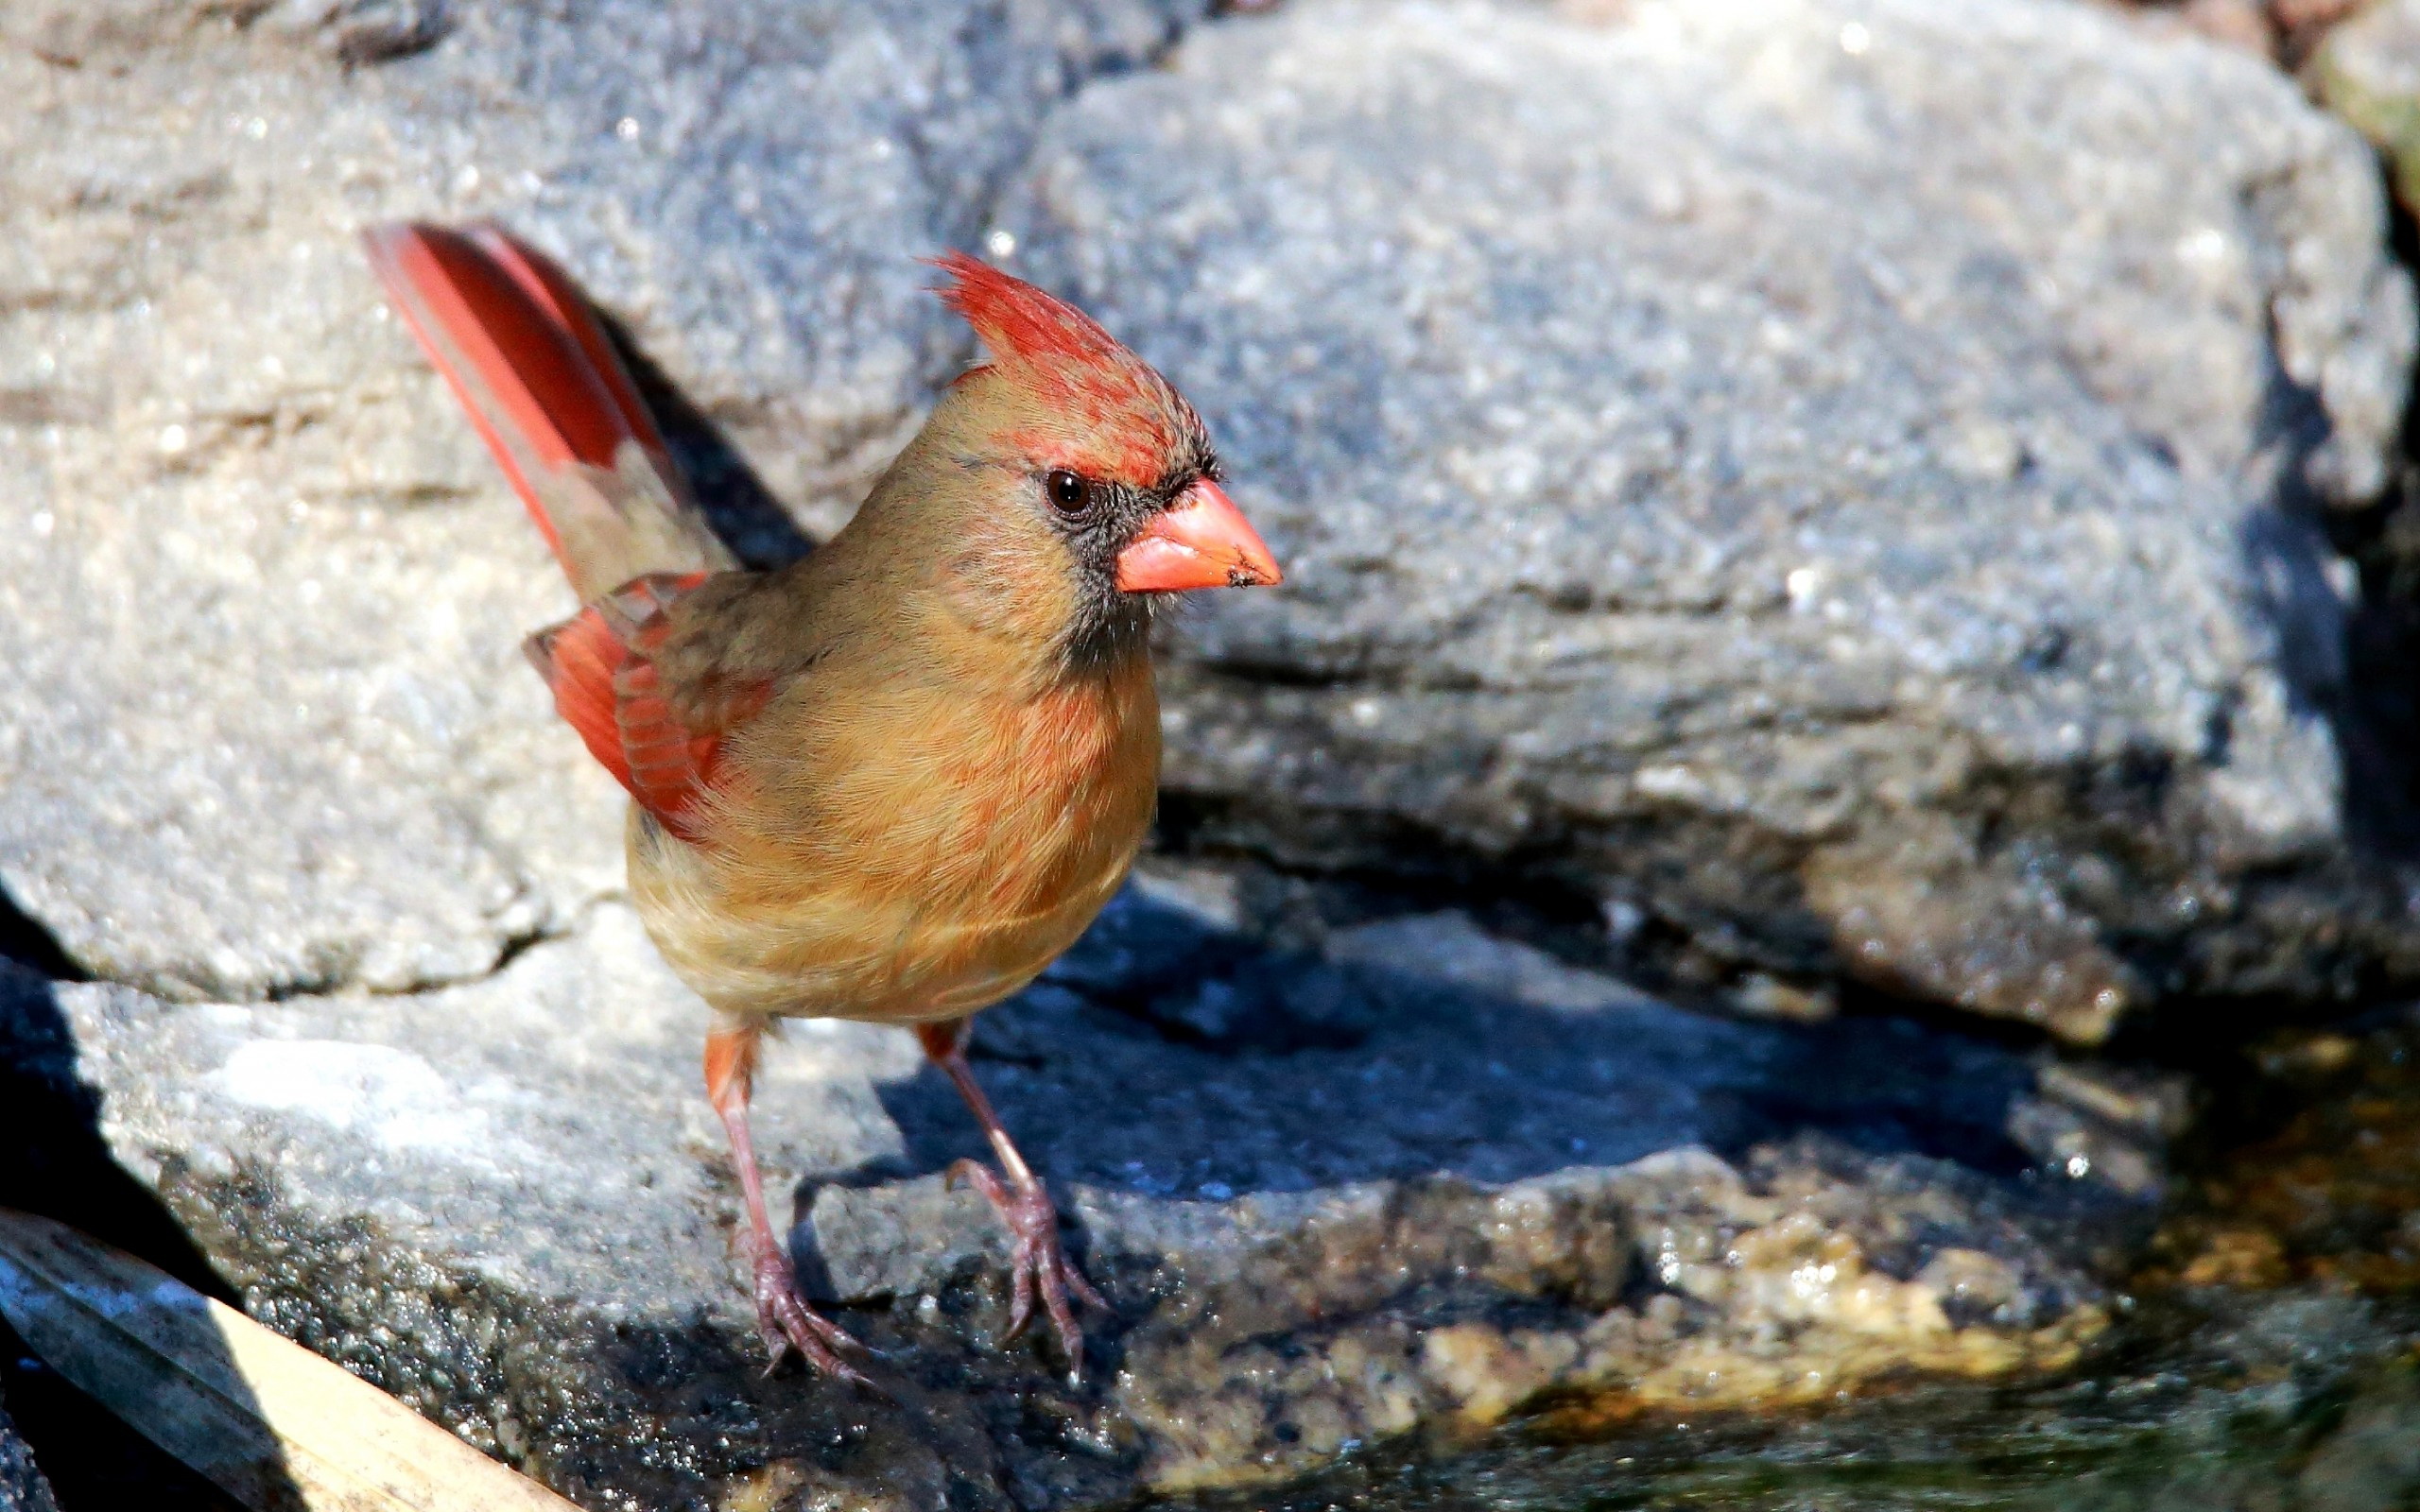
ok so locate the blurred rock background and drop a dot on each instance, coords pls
(1787, 505)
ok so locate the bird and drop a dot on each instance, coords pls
(890, 781)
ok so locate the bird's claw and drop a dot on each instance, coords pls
(788, 1324)
(1038, 1265)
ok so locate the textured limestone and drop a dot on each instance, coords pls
(1461, 1177)
(1840, 485)
(1838, 480)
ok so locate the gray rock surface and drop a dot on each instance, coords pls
(260, 590)
(1356, 1201)
(1836, 482)
(1912, 445)
(2368, 72)
(1840, 480)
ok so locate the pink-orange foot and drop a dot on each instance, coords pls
(1038, 1264)
(787, 1323)
(782, 1315)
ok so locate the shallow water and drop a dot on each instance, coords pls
(2309, 1402)
(2267, 1356)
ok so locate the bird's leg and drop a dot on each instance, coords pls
(1037, 1265)
(781, 1314)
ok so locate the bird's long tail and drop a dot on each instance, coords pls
(541, 382)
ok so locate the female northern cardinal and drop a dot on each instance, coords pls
(893, 780)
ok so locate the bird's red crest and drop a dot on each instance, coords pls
(1063, 352)
(1020, 323)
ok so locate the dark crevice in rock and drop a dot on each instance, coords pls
(2097, 840)
(1349, 869)
(316, 985)
(365, 32)
(516, 946)
(2378, 730)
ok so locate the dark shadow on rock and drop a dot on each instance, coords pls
(28, 942)
(2377, 717)
(1551, 890)
(743, 511)
(1164, 1056)
(54, 1162)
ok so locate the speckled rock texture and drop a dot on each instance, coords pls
(1840, 480)
(261, 590)
(1838, 486)
(2368, 72)
(1335, 1198)
(21, 1486)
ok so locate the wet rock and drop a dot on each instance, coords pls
(21, 1486)
(2373, 1460)
(1837, 480)
(2103, 1122)
(2325, 1196)
(1487, 1179)
(260, 589)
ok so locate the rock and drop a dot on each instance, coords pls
(2110, 1123)
(2238, 23)
(1856, 624)
(2367, 70)
(1477, 1182)
(260, 590)
(21, 1486)
(2373, 1460)
(1840, 481)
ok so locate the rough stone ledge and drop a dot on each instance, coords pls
(1331, 1203)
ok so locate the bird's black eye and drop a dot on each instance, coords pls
(1069, 493)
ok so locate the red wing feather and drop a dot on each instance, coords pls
(607, 689)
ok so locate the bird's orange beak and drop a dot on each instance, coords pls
(1202, 540)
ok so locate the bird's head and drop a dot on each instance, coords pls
(1084, 447)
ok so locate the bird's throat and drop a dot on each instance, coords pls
(1107, 631)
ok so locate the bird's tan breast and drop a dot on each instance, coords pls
(911, 854)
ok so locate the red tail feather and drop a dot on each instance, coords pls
(551, 288)
(547, 392)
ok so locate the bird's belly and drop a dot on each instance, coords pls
(936, 900)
